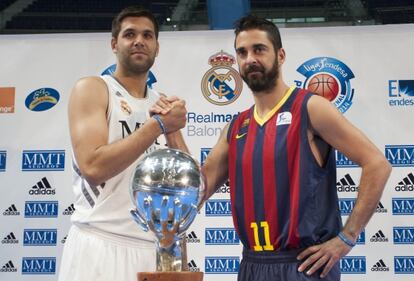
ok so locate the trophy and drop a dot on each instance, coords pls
(166, 189)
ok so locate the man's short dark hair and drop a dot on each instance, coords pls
(250, 22)
(133, 11)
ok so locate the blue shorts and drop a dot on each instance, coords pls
(278, 266)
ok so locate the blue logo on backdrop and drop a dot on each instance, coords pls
(353, 265)
(39, 237)
(43, 160)
(346, 205)
(404, 265)
(343, 162)
(329, 78)
(361, 238)
(39, 265)
(217, 208)
(203, 154)
(400, 155)
(41, 209)
(403, 206)
(222, 265)
(111, 70)
(221, 236)
(403, 235)
(3, 157)
(401, 92)
(42, 99)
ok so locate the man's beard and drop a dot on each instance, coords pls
(138, 68)
(266, 82)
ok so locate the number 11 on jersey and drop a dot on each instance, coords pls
(265, 226)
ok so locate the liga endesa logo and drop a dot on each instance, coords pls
(329, 78)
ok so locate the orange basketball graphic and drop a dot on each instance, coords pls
(324, 85)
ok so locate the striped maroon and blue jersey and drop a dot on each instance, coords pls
(280, 197)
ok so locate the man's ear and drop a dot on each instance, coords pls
(114, 45)
(281, 56)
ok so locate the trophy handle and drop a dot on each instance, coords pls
(141, 221)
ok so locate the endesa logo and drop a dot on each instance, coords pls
(217, 208)
(353, 265)
(343, 162)
(346, 205)
(404, 265)
(39, 237)
(221, 236)
(403, 206)
(39, 265)
(400, 155)
(41, 209)
(401, 92)
(329, 78)
(3, 157)
(43, 160)
(42, 99)
(403, 235)
(222, 265)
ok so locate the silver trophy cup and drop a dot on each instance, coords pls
(166, 189)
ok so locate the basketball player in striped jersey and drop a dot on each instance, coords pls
(111, 127)
(279, 157)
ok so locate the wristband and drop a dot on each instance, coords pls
(344, 239)
(162, 127)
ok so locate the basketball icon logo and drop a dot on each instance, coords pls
(324, 85)
(329, 78)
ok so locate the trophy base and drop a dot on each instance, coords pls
(170, 276)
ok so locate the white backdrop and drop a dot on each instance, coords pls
(35, 164)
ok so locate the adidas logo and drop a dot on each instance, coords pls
(42, 188)
(11, 211)
(193, 267)
(69, 210)
(8, 267)
(10, 239)
(346, 184)
(379, 237)
(192, 238)
(380, 266)
(225, 188)
(64, 239)
(407, 184)
(380, 208)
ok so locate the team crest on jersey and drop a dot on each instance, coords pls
(125, 108)
(221, 84)
(284, 118)
(329, 78)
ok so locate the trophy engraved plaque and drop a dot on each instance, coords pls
(166, 188)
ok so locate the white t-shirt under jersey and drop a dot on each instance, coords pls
(107, 207)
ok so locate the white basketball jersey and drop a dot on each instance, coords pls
(107, 207)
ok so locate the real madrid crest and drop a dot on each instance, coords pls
(221, 84)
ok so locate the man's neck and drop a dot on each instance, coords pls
(266, 101)
(136, 85)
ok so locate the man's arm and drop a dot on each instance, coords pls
(99, 161)
(328, 123)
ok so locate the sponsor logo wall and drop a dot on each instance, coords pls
(373, 91)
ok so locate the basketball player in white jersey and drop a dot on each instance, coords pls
(110, 128)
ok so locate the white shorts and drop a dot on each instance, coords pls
(90, 255)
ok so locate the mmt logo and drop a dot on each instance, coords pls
(346, 205)
(403, 206)
(222, 265)
(39, 237)
(400, 155)
(3, 156)
(344, 162)
(39, 265)
(361, 238)
(404, 265)
(43, 160)
(203, 154)
(217, 208)
(353, 265)
(41, 209)
(403, 235)
(221, 236)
